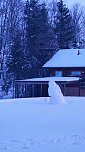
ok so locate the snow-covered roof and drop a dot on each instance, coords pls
(47, 79)
(67, 58)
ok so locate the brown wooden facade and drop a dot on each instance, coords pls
(75, 89)
(67, 71)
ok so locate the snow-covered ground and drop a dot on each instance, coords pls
(34, 125)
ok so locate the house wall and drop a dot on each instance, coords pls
(73, 89)
(67, 71)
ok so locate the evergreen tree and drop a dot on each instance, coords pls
(63, 26)
(37, 39)
(16, 57)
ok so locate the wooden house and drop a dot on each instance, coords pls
(67, 68)
(69, 63)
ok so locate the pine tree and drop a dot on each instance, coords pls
(63, 26)
(16, 57)
(37, 39)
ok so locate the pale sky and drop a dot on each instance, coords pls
(71, 2)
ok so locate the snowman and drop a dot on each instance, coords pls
(55, 93)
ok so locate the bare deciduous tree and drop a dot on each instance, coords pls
(78, 18)
(10, 21)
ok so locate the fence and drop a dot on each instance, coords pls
(25, 89)
(30, 89)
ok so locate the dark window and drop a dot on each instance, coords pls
(58, 73)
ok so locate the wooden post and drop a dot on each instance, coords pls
(79, 88)
(26, 91)
(64, 89)
(16, 90)
(41, 90)
(33, 90)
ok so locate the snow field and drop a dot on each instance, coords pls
(34, 125)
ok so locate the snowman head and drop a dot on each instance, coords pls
(52, 83)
